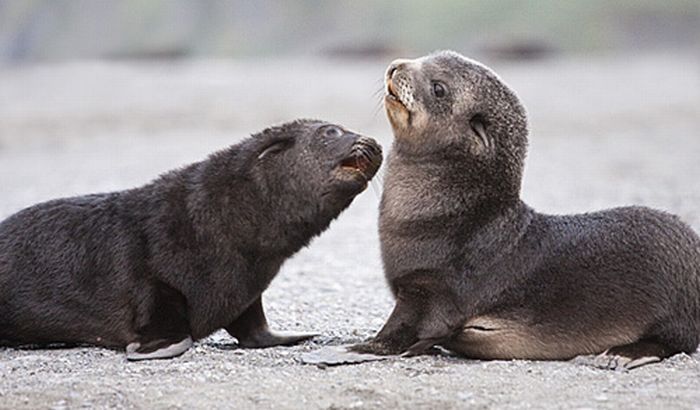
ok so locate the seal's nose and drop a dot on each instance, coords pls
(394, 66)
(391, 70)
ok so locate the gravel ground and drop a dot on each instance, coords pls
(606, 131)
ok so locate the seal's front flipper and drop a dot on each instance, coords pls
(339, 355)
(627, 357)
(413, 328)
(158, 349)
(251, 330)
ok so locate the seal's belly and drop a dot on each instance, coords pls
(494, 338)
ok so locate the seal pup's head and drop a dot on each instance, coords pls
(445, 105)
(285, 184)
(314, 160)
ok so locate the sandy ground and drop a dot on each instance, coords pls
(606, 131)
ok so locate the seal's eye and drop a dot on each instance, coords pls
(333, 132)
(439, 89)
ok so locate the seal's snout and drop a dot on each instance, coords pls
(394, 81)
(399, 98)
(364, 159)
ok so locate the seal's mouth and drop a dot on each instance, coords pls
(364, 159)
(391, 95)
(396, 109)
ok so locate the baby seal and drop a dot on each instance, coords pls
(475, 270)
(153, 268)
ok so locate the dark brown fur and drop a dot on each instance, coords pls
(183, 256)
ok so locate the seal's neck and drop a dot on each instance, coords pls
(426, 186)
(449, 201)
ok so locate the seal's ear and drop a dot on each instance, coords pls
(478, 127)
(275, 146)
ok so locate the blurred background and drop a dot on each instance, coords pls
(98, 94)
(49, 30)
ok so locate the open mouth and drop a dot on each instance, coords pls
(355, 164)
(399, 114)
(364, 160)
(391, 93)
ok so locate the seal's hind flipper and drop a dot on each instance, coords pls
(164, 329)
(269, 338)
(338, 355)
(252, 331)
(607, 361)
(157, 349)
(627, 357)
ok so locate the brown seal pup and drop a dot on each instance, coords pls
(477, 271)
(155, 267)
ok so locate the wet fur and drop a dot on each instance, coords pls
(183, 256)
(475, 269)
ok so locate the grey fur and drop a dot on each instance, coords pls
(184, 255)
(476, 270)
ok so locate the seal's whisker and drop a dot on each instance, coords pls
(381, 81)
(380, 176)
(379, 97)
(378, 181)
(366, 155)
(377, 189)
(377, 108)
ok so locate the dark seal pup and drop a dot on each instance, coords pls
(153, 268)
(477, 271)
